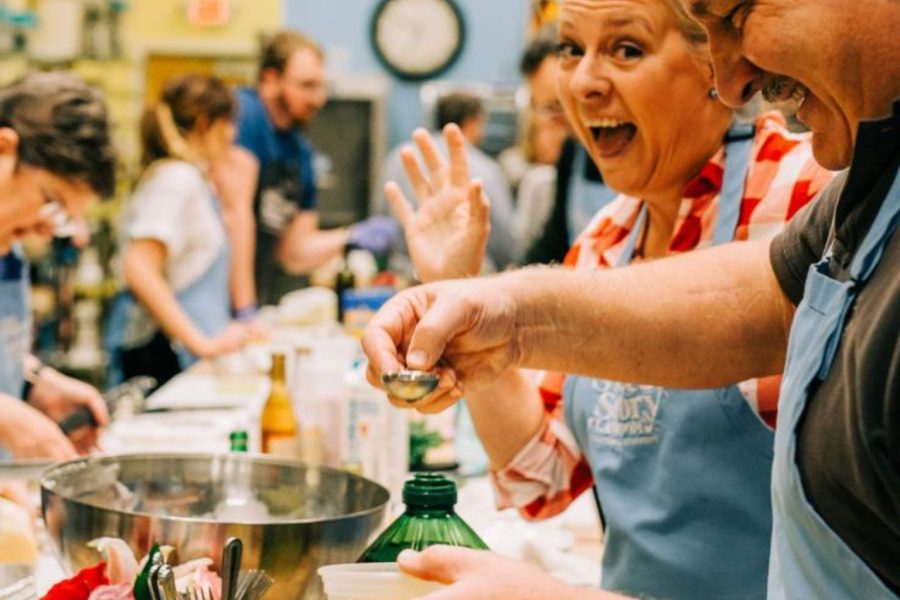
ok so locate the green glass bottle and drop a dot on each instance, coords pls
(429, 519)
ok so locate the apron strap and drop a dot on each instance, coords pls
(576, 192)
(628, 250)
(864, 262)
(738, 143)
(870, 251)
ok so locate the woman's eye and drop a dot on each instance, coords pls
(628, 52)
(566, 50)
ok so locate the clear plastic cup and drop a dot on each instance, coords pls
(372, 581)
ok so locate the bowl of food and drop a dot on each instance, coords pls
(291, 518)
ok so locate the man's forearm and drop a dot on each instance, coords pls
(302, 254)
(701, 320)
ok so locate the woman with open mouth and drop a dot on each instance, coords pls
(681, 476)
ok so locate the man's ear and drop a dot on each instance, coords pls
(9, 142)
(269, 76)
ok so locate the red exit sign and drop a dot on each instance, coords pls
(209, 13)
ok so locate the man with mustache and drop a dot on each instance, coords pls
(821, 302)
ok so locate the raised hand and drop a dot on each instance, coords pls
(447, 235)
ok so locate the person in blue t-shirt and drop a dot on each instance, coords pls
(289, 92)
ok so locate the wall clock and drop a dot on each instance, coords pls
(417, 39)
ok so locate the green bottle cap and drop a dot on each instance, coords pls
(238, 440)
(429, 490)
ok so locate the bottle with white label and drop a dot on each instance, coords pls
(375, 434)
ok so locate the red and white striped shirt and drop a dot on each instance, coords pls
(550, 471)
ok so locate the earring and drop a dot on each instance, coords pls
(713, 93)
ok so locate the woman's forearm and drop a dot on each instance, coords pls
(506, 415)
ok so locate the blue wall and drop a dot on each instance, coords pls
(495, 32)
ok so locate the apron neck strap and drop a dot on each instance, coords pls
(872, 247)
(628, 250)
(738, 143)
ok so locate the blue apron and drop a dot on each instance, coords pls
(683, 476)
(206, 301)
(15, 322)
(809, 560)
(585, 197)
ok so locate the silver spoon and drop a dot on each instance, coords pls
(410, 385)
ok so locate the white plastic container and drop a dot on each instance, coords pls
(374, 434)
(373, 581)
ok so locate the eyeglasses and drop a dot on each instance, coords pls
(63, 223)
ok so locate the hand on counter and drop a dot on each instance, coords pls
(235, 337)
(27, 433)
(482, 575)
(447, 235)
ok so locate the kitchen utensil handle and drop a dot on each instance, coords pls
(80, 417)
(231, 566)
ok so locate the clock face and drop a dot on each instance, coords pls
(417, 39)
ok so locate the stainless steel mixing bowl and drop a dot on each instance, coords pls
(291, 518)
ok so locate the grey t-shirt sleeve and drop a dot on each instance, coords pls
(803, 241)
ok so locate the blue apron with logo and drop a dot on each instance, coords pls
(809, 560)
(585, 197)
(683, 476)
(206, 301)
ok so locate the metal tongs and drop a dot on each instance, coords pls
(162, 583)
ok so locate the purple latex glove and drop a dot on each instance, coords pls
(375, 234)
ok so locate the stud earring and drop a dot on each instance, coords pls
(713, 93)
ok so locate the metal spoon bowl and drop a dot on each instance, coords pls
(410, 385)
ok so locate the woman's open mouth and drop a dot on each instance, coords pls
(611, 136)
